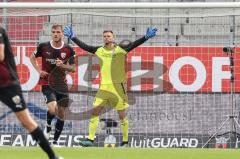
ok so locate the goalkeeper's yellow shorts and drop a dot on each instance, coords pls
(114, 94)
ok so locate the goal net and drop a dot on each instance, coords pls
(179, 82)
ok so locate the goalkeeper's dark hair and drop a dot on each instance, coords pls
(107, 31)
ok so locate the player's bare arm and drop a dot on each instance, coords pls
(2, 56)
(1, 52)
(35, 65)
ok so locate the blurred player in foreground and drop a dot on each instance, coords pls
(57, 59)
(113, 78)
(11, 94)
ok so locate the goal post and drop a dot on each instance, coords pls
(180, 85)
(116, 5)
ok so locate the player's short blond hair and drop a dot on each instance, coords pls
(57, 26)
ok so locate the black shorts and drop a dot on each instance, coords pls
(13, 98)
(52, 95)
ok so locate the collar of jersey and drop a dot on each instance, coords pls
(115, 46)
(56, 47)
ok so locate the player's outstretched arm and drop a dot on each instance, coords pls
(68, 32)
(150, 33)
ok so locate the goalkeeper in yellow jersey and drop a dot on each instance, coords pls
(113, 78)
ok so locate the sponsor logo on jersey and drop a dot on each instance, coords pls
(51, 61)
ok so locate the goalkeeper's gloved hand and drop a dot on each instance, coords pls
(68, 32)
(151, 32)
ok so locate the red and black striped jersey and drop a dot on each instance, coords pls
(8, 73)
(49, 54)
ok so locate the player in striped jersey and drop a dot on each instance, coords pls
(57, 59)
(11, 94)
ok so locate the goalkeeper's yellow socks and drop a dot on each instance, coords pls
(93, 124)
(124, 128)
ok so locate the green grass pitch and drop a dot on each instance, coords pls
(120, 153)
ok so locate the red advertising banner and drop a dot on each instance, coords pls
(152, 69)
